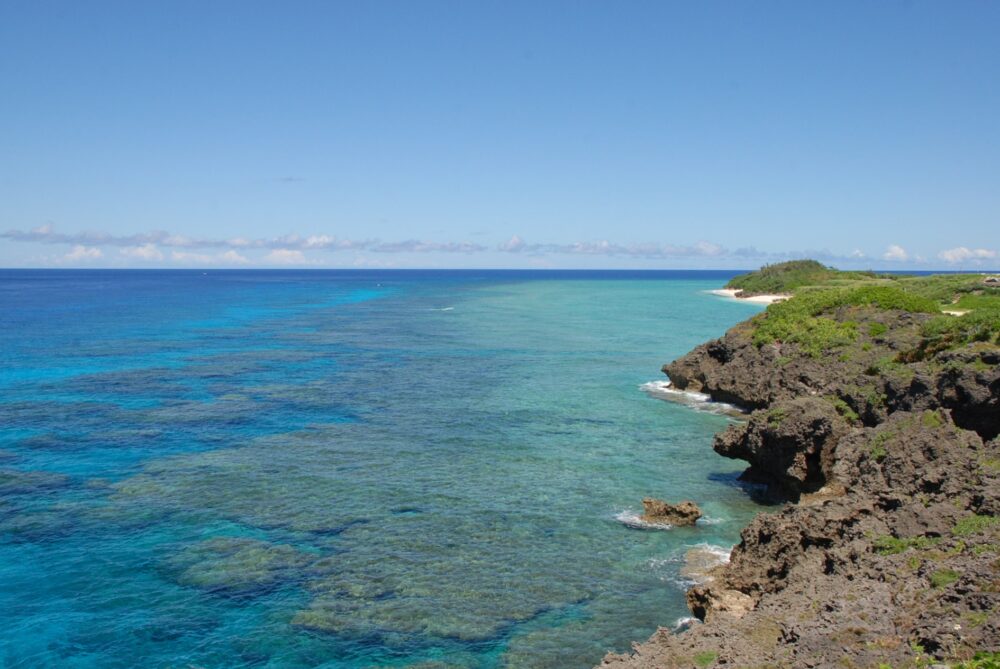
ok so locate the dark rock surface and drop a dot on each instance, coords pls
(889, 552)
(658, 511)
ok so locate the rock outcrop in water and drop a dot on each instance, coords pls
(889, 552)
(658, 511)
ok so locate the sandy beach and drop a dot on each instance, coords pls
(757, 299)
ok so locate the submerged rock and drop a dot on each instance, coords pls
(703, 562)
(658, 511)
(19, 482)
(236, 566)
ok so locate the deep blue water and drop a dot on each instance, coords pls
(348, 469)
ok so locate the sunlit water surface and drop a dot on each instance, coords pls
(348, 469)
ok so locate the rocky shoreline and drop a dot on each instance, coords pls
(887, 550)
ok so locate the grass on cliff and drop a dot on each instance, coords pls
(805, 319)
(974, 524)
(945, 332)
(808, 319)
(954, 291)
(981, 660)
(787, 277)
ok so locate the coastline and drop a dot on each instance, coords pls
(886, 551)
(732, 294)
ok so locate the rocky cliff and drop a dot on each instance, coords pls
(887, 552)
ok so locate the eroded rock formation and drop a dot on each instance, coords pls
(658, 511)
(889, 550)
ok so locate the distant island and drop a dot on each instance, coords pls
(874, 405)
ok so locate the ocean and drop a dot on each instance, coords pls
(348, 469)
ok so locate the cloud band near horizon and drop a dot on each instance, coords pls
(162, 246)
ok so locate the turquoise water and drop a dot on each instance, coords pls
(353, 469)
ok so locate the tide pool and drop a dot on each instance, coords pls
(348, 469)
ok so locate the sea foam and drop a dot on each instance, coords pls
(664, 390)
(633, 519)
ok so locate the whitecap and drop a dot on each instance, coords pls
(721, 553)
(684, 623)
(444, 309)
(695, 566)
(664, 390)
(630, 518)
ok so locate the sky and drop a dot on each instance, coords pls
(420, 133)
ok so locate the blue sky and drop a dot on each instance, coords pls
(499, 134)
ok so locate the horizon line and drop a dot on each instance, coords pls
(462, 269)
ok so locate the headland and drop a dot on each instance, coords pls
(874, 425)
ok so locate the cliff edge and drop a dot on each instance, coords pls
(875, 416)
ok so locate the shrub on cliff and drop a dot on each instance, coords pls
(963, 291)
(806, 318)
(950, 331)
(782, 277)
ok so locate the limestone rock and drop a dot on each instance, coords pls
(658, 511)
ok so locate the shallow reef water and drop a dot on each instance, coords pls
(348, 469)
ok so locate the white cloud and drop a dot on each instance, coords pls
(291, 249)
(233, 257)
(604, 247)
(962, 254)
(287, 257)
(226, 258)
(144, 252)
(147, 246)
(709, 249)
(895, 253)
(377, 263)
(184, 256)
(80, 252)
(417, 246)
(513, 245)
(179, 241)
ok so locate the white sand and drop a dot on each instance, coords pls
(756, 299)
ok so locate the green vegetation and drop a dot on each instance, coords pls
(944, 332)
(982, 549)
(888, 545)
(803, 320)
(889, 365)
(783, 277)
(876, 447)
(705, 658)
(944, 577)
(814, 335)
(956, 291)
(976, 619)
(984, 300)
(981, 660)
(931, 419)
(879, 453)
(776, 416)
(877, 329)
(845, 410)
(974, 524)
(831, 314)
(953, 291)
